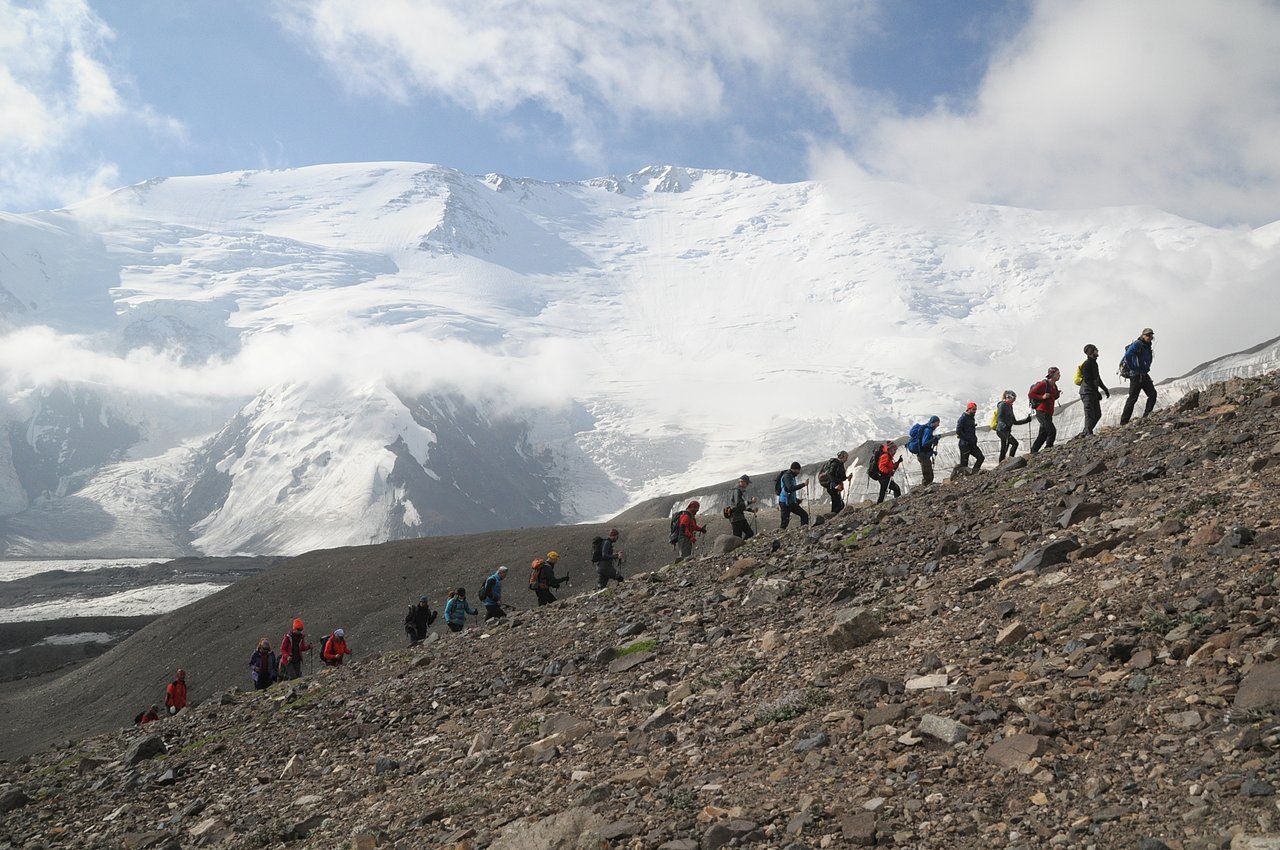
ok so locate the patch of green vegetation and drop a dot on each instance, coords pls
(462, 805)
(791, 709)
(638, 646)
(737, 674)
(682, 799)
(526, 726)
(309, 698)
(1158, 622)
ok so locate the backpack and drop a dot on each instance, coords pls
(597, 550)
(1031, 400)
(777, 483)
(824, 473)
(324, 644)
(535, 571)
(995, 418)
(485, 587)
(1123, 371)
(137, 720)
(728, 512)
(913, 438)
(675, 527)
(873, 465)
(1080, 375)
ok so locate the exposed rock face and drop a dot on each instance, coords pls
(857, 685)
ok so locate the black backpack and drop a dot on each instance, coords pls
(873, 465)
(675, 527)
(597, 550)
(324, 643)
(485, 587)
(777, 483)
(824, 473)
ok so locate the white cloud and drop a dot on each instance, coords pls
(56, 86)
(594, 65)
(1098, 103)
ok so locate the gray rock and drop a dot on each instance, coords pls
(1260, 689)
(884, 715)
(13, 798)
(627, 662)
(385, 765)
(812, 743)
(147, 748)
(677, 844)
(860, 829)
(854, 627)
(1041, 558)
(304, 827)
(943, 728)
(721, 833)
(725, 543)
(1257, 788)
(572, 828)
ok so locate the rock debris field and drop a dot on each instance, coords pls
(1076, 649)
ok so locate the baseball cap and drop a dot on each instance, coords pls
(1146, 331)
(973, 405)
(745, 479)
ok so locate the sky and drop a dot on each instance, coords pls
(1053, 104)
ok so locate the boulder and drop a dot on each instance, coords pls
(1042, 558)
(854, 627)
(1260, 689)
(1015, 750)
(144, 749)
(568, 830)
(725, 543)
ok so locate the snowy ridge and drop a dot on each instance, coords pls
(585, 346)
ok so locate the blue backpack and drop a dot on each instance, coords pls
(913, 439)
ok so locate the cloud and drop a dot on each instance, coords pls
(57, 85)
(1096, 103)
(542, 375)
(595, 66)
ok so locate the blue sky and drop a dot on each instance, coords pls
(1071, 103)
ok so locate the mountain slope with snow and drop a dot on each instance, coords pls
(286, 348)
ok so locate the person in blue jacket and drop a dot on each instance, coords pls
(491, 595)
(457, 609)
(1137, 362)
(788, 501)
(967, 435)
(924, 445)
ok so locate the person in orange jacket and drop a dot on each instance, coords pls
(292, 645)
(689, 528)
(175, 696)
(886, 465)
(334, 648)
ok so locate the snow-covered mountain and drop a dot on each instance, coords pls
(277, 361)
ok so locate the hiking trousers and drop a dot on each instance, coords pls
(1008, 443)
(604, 573)
(837, 500)
(1048, 431)
(787, 510)
(926, 469)
(1139, 384)
(741, 528)
(545, 596)
(973, 451)
(886, 484)
(684, 546)
(493, 611)
(1092, 405)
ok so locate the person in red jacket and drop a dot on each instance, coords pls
(175, 696)
(689, 528)
(334, 648)
(151, 714)
(887, 465)
(1044, 396)
(292, 645)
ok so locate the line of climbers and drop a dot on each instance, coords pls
(922, 441)
(266, 667)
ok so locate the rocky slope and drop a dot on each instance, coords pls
(1075, 651)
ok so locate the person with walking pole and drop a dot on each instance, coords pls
(788, 501)
(491, 595)
(456, 610)
(739, 507)
(832, 477)
(609, 565)
(688, 529)
(418, 621)
(292, 646)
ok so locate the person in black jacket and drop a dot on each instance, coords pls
(739, 506)
(1005, 420)
(836, 475)
(967, 434)
(610, 563)
(418, 620)
(1091, 390)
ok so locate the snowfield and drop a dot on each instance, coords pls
(286, 360)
